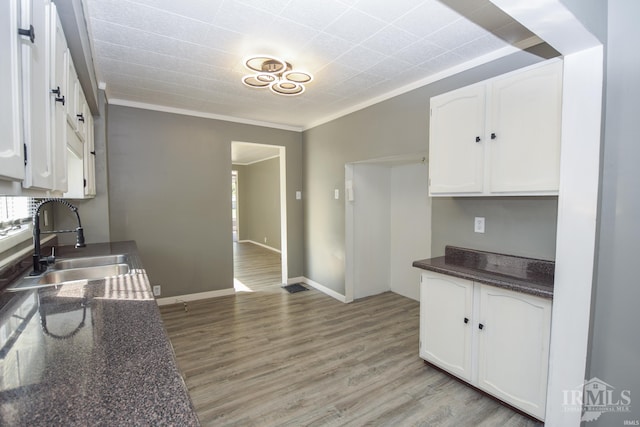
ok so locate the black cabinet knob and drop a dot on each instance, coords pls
(477, 139)
(80, 117)
(481, 326)
(56, 91)
(466, 320)
(60, 99)
(493, 136)
(28, 32)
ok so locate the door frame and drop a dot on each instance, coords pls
(349, 286)
(282, 155)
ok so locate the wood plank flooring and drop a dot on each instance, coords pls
(256, 267)
(270, 358)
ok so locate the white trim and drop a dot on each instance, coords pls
(256, 161)
(195, 297)
(576, 230)
(185, 112)
(293, 280)
(260, 244)
(318, 286)
(284, 253)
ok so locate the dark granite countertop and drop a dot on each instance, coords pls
(89, 353)
(527, 275)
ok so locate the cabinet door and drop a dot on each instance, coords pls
(525, 117)
(11, 145)
(446, 305)
(37, 96)
(89, 156)
(456, 141)
(513, 347)
(58, 111)
(81, 112)
(71, 102)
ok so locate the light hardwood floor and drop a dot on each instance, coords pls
(255, 267)
(269, 358)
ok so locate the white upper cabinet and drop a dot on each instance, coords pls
(11, 145)
(456, 151)
(525, 122)
(499, 137)
(71, 104)
(58, 114)
(89, 157)
(42, 100)
(36, 90)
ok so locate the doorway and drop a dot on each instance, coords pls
(234, 205)
(259, 215)
(387, 225)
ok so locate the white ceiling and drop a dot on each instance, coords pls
(246, 153)
(188, 54)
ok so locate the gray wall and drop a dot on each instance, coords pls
(401, 126)
(94, 213)
(259, 203)
(524, 226)
(170, 191)
(614, 348)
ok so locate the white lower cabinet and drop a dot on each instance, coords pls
(493, 338)
(446, 304)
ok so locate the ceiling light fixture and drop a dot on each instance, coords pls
(276, 74)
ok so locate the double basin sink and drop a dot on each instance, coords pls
(76, 269)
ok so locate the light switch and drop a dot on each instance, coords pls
(478, 224)
(298, 195)
(336, 194)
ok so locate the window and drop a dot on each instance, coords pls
(15, 219)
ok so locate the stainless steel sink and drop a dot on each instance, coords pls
(85, 273)
(93, 261)
(74, 269)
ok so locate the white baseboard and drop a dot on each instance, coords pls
(195, 297)
(224, 292)
(318, 286)
(261, 244)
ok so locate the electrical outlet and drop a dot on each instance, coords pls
(336, 194)
(298, 195)
(156, 290)
(478, 224)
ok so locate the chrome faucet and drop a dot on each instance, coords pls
(39, 263)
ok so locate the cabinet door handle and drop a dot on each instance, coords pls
(80, 117)
(60, 99)
(478, 139)
(466, 320)
(480, 326)
(30, 33)
(56, 91)
(493, 136)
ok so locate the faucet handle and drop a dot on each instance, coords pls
(51, 259)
